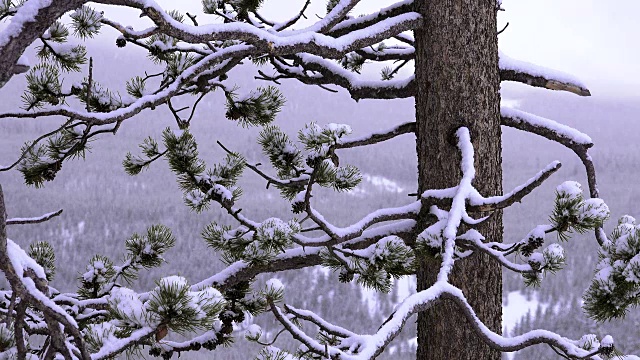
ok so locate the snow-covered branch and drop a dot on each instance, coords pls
(338, 235)
(475, 240)
(28, 280)
(29, 22)
(458, 203)
(298, 257)
(366, 347)
(215, 60)
(34, 220)
(363, 22)
(573, 139)
(376, 137)
(314, 70)
(538, 76)
(277, 44)
(481, 204)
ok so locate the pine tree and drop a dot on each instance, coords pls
(450, 235)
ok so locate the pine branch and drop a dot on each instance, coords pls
(327, 72)
(331, 47)
(423, 301)
(26, 29)
(320, 322)
(576, 141)
(299, 335)
(150, 101)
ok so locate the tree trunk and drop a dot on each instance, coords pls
(458, 85)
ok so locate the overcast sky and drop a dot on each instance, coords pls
(596, 40)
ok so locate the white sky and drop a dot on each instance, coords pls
(598, 41)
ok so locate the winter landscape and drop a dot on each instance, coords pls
(316, 257)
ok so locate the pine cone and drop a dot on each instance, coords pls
(161, 332)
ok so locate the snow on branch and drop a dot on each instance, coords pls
(117, 346)
(458, 203)
(538, 76)
(286, 24)
(315, 70)
(550, 129)
(392, 53)
(28, 22)
(377, 137)
(339, 235)
(573, 139)
(298, 257)
(149, 101)
(28, 280)
(481, 204)
(352, 346)
(35, 220)
(308, 41)
(334, 16)
(362, 22)
(475, 240)
(322, 323)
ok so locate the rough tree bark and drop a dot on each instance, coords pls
(458, 85)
